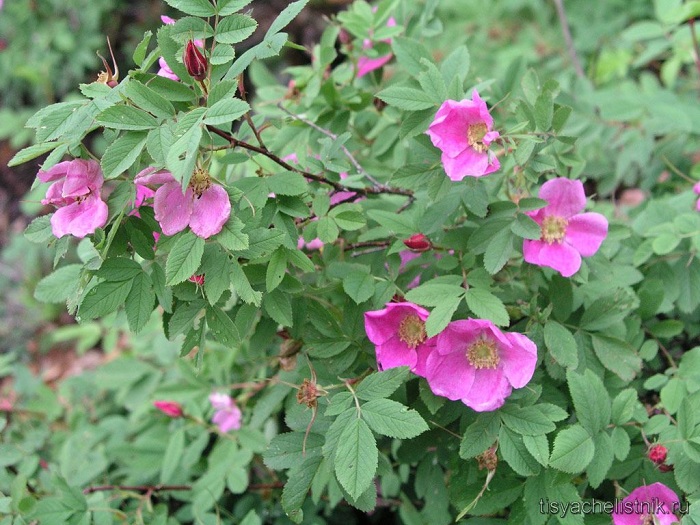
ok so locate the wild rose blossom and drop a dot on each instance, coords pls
(696, 189)
(227, 415)
(398, 332)
(476, 363)
(204, 207)
(648, 504)
(169, 408)
(463, 132)
(567, 234)
(366, 64)
(76, 193)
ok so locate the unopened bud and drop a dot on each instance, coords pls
(418, 243)
(197, 279)
(657, 454)
(194, 61)
(169, 408)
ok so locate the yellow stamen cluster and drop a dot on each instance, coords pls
(554, 229)
(475, 136)
(483, 353)
(412, 331)
(200, 182)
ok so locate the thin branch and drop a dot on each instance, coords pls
(559, 4)
(242, 91)
(372, 190)
(136, 488)
(332, 135)
(366, 244)
(696, 47)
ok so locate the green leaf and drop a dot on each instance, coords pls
(126, 117)
(225, 111)
(409, 53)
(58, 286)
(515, 453)
(122, 153)
(32, 152)
(286, 450)
(140, 51)
(172, 456)
(356, 458)
(140, 302)
(485, 305)
(591, 400)
(228, 7)
(327, 229)
(288, 183)
(411, 99)
(347, 218)
(276, 269)
(621, 443)
(223, 54)
(299, 480)
(393, 419)
(182, 154)
(216, 268)
(498, 251)
(525, 227)
(434, 293)
(561, 344)
(104, 298)
(607, 310)
(287, 15)
(242, 286)
(396, 224)
(432, 82)
(234, 29)
(527, 421)
(382, 384)
(624, 406)
(538, 447)
(39, 230)
(278, 306)
(359, 286)
(573, 450)
(149, 100)
(184, 258)
(203, 8)
(602, 460)
(544, 110)
(441, 315)
(231, 235)
(617, 355)
(262, 242)
(480, 435)
(222, 326)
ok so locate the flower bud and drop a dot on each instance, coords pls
(194, 61)
(418, 243)
(197, 279)
(169, 408)
(657, 454)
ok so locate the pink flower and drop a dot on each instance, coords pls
(227, 415)
(478, 364)
(463, 132)
(366, 64)
(169, 408)
(696, 189)
(398, 331)
(653, 503)
(567, 235)
(76, 193)
(204, 207)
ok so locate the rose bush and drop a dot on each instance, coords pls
(294, 360)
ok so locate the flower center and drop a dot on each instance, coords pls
(475, 136)
(553, 229)
(200, 182)
(412, 331)
(483, 353)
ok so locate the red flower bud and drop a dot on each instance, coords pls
(195, 62)
(197, 279)
(169, 408)
(418, 243)
(657, 454)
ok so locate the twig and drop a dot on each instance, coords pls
(241, 90)
(332, 135)
(696, 47)
(366, 244)
(567, 38)
(136, 488)
(372, 190)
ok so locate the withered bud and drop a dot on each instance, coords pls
(195, 62)
(418, 243)
(487, 459)
(108, 77)
(308, 393)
